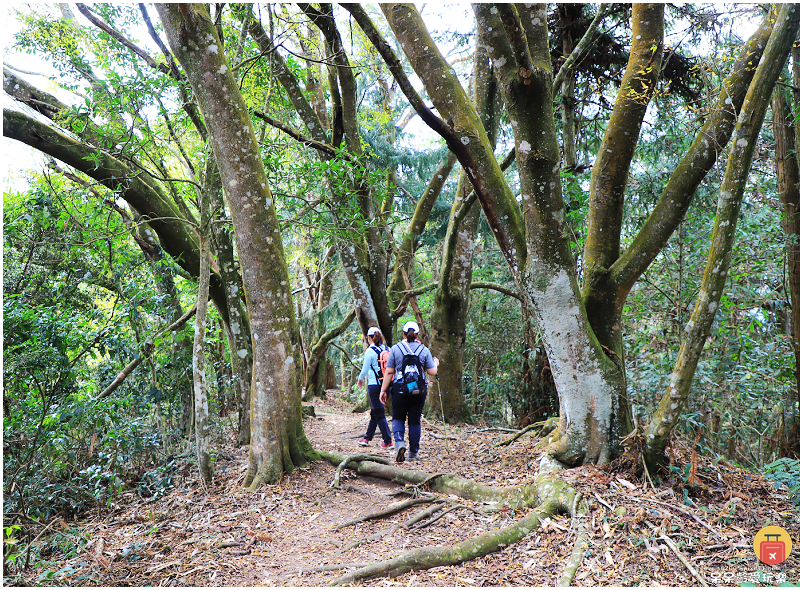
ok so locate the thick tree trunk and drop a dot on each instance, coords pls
(278, 442)
(237, 328)
(712, 286)
(451, 298)
(786, 166)
(589, 383)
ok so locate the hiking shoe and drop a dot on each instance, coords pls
(387, 445)
(401, 454)
(363, 442)
(413, 457)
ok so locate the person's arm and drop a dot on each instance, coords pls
(432, 370)
(365, 367)
(388, 376)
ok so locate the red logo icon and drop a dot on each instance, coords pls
(772, 545)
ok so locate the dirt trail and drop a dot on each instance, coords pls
(225, 536)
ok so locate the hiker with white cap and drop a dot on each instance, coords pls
(372, 371)
(406, 366)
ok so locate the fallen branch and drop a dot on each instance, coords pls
(388, 511)
(405, 525)
(511, 439)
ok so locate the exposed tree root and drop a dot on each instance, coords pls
(545, 426)
(548, 494)
(428, 557)
(517, 497)
(358, 457)
(579, 511)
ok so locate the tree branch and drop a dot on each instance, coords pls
(104, 26)
(147, 349)
(583, 45)
(317, 145)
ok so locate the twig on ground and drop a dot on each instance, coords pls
(599, 499)
(511, 439)
(405, 525)
(681, 510)
(677, 552)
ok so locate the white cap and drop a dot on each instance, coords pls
(411, 326)
(373, 330)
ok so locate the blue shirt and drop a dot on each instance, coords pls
(370, 367)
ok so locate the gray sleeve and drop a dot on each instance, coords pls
(426, 359)
(394, 358)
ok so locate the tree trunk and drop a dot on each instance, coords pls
(451, 298)
(278, 443)
(198, 351)
(712, 286)
(315, 371)
(398, 300)
(448, 320)
(237, 328)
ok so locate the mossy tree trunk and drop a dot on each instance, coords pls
(451, 297)
(398, 299)
(740, 158)
(278, 443)
(588, 373)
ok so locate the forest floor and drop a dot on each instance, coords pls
(222, 535)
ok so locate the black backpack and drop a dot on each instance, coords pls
(412, 376)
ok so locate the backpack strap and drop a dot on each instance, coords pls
(372, 366)
(408, 348)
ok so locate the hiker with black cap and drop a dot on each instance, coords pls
(372, 371)
(406, 366)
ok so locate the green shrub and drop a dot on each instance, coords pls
(785, 472)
